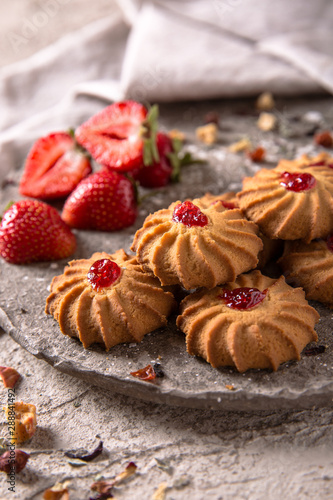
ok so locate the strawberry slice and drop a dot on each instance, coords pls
(33, 231)
(54, 167)
(121, 136)
(105, 201)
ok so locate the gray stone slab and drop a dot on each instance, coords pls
(188, 381)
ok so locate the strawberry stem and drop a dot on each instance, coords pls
(149, 132)
(179, 160)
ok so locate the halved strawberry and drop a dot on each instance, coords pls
(105, 201)
(32, 231)
(54, 167)
(121, 136)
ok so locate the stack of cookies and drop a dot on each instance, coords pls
(213, 247)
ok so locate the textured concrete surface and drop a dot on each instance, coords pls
(204, 454)
(198, 453)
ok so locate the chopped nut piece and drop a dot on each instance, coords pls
(22, 421)
(103, 487)
(177, 134)
(230, 387)
(242, 145)
(129, 471)
(13, 460)
(324, 139)
(266, 122)
(160, 492)
(207, 134)
(58, 492)
(9, 376)
(265, 101)
(257, 154)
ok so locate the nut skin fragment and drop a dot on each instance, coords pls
(23, 422)
(8, 462)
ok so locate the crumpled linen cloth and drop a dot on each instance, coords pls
(166, 50)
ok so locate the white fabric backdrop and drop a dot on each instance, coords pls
(167, 50)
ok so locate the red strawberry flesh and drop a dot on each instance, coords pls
(33, 231)
(54, 167)
(113, 136)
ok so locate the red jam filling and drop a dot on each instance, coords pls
(189, 214)
(103, 273)
(297, 181)
(229, 205)
(226, 204)
(242, 298)
(321, 164)
(329, 243)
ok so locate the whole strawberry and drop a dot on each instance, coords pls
(159, 173)
(105, 201)
(33, 231)
(122, 136)
(54, 167)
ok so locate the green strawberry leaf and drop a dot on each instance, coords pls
(178, 161)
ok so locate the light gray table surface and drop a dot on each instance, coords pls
(211, 454)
